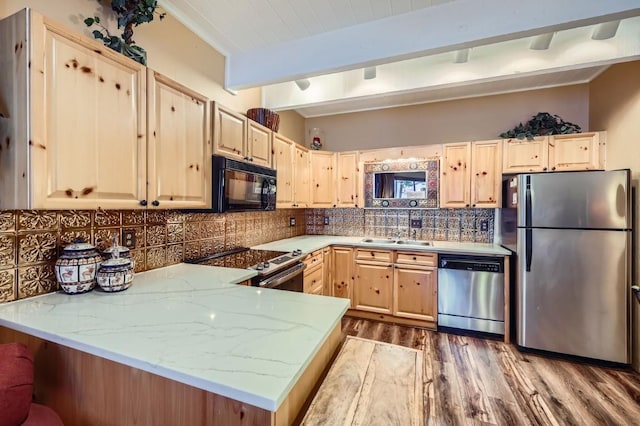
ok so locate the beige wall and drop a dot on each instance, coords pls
(452, 121)
(292, 126)
(172, 49)
(614, 104)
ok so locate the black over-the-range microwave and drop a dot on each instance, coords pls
(239, 186)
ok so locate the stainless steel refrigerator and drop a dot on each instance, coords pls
(573, 243)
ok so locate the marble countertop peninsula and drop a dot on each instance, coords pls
(309, 243)
(191, 324)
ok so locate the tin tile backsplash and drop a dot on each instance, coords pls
(464, 225)
(30, 241)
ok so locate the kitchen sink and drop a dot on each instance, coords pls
(392, 241)
(379, 241)
(414, 243)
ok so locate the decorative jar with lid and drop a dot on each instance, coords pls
(116, 272)
(77, 266)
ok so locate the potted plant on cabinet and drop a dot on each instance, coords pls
(130, 13)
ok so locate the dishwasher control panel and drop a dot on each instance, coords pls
(472, 263)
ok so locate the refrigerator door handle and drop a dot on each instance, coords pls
(636, 290)
(528, 207)
(528, 248)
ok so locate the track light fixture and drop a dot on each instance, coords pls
(605, 31)
(369, 73)
(462, 56)
(303, 84)
(541, 42)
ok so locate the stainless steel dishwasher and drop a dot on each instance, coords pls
(471, 293)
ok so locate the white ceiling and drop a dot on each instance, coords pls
(413, 43)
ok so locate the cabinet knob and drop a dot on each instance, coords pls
(473, 205)
(544, 169)
(466, 205)
(553, 168)
(143, 202)
(155, 203)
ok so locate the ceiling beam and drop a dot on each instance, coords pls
(450, 26)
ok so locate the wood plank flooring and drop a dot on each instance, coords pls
(473, 381)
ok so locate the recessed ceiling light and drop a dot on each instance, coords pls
(369, 73)
(303, 84)
(541, 42)
(605, 30)
(462, 56)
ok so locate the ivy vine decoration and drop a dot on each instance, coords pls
(130, 13)
(542, 124)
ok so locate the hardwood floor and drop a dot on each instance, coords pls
(474, 381)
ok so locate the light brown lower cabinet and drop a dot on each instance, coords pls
(314, 273)
(342, 273)
(373, 287)
(415, 292)
(395, 286)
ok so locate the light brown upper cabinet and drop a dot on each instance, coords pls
(323, 165)
(229, 132)
(396, 153)
(74, 127)
(179, 146)
(259, 143)
(283, 163)
(470, 175)
(455, 175)
(301, 177)
(486, 176)
(347, 178)
(523, 156)
(579, 151)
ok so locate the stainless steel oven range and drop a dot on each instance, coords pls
(276, 269)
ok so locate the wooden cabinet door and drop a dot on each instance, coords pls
(327, 270)
(415, 293)
(179, 148)
(523, 156)
(259, 143)
(229, 132)
(301, 177)
(283, 163)
(486, 174)
(455, 173)
(373, 287)
(322, 179)
(347, 180)
(88, 123)
(342, 273)
(579, 151)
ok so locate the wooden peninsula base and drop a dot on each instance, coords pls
(89, 390)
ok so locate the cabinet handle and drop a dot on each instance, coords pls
(544, 169)
(415, 258)
(155, 203)
(553, 168)
(473, 205)
(143, 202)
(466, 205)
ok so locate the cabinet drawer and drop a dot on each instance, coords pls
(375, 255)
(413, 258)
(313, 280)
(314, 259)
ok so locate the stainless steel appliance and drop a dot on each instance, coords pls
(238, 186)
(471, 293)
(276, 269)
(573, 244)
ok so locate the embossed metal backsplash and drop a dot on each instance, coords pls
(463, 225)
(30, 241)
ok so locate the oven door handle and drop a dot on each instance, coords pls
(287, 275)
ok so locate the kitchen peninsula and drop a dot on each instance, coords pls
(218, 353)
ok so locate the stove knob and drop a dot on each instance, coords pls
(259, 267)
(265, 264)
(297, 252)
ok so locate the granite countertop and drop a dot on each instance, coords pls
(189, 323)
(309, 243)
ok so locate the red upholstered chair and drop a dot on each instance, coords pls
(16, 388)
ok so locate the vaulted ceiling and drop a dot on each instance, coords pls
(422, 50)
